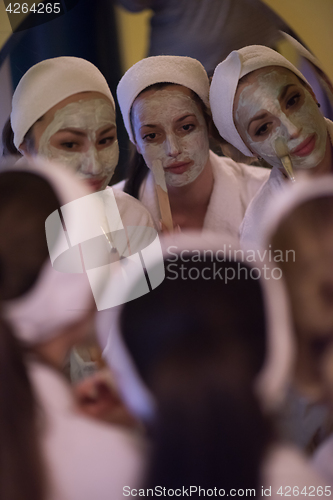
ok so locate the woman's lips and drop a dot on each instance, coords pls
(306, 147)
(95, 184)
(178, 167)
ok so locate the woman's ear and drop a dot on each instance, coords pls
(309, 89)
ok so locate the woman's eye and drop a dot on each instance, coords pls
(294, 99)
(106, 140)
(188, 126)
(149, 137)
(262, 130)
(68, 145)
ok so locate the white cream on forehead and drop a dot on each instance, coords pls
(89, 115)
(263, 95)
(162, 109)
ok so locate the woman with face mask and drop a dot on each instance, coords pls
(257, 96)
(164, 103)
(48, 449)
(297, 229)
(63, 109)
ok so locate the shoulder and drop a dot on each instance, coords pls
(73, 444)
(285, 466)
(120, 185)
(120, 458)
(241, 170)
(323, 460)
(251, 226)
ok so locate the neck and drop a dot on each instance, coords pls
(189, 203)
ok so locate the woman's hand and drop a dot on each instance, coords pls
(97, 397)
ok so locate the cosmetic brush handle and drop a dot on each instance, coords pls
(164, 204)
(286, 162)
(162, 194)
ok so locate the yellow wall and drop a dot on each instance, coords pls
(312, 21)
(133, 35)
(5, 27)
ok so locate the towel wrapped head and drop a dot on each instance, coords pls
(160, 69)
(46, 84)
(225, 82)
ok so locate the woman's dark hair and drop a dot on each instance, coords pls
(137, 168)
(198, 344)
(8, 146)
(22, 474)
(26, 200)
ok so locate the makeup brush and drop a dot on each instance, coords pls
(162, 194)
(282, 153)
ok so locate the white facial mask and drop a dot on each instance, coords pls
(174, 143)
(303, 122)
(88, 116)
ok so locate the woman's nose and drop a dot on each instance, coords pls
(293, 129)
(91, 164)
(172, 146)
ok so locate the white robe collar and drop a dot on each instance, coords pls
(226, 207)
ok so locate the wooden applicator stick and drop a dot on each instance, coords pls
(162, 194)
(283, 153)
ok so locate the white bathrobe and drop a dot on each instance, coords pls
(85, 459)
(132, 212)
(235, 184)
(250, 229)
(288, 472)
(323, 460)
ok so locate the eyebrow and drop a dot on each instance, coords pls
(107, 129)
(177, 121)
(148, 125)
(282, 96)
(285, 90)
(184, 117)
(72, 131)
(256, 118)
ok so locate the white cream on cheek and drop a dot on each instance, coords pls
(88, 116)
(173, 144)
(301, 123)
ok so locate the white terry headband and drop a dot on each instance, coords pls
(46, 84)
(160, 69)
(225, 81)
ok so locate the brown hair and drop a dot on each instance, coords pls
(26, 200)
(199, 357)
(8, 146)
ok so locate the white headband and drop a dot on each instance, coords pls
(225, 81)
(56, 299)
(160, 69)
(272, 381)
(46, 84)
